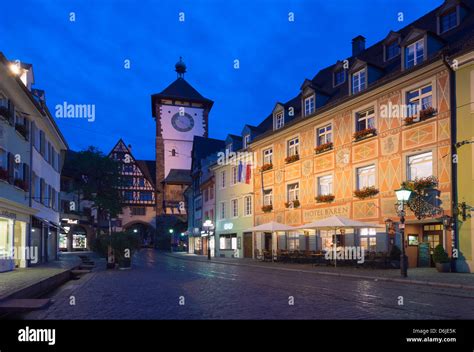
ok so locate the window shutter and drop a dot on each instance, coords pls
(11, 109)
(11, 166)
(27, 129)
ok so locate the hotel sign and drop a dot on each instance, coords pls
(322, 213)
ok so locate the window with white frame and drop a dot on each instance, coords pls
(309, 105)
(234, 175)
(268, 156)
(228, 242)
(268, 197)
(325, 185)
(365, 119)
(419, 99)
(359, 80)
(234, 206)
(368, 239)
(324, 135)
(366, 177)
(293, 146)
(279, 120)
(222, 179)
(448, 20)
(222, 210)
(420, 165)
(247, 205)
(414, 54)
(293, 191)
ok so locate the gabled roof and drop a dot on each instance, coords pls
(178, 177)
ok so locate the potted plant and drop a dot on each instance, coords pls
(293, 204)
(325, 198)
(267, 208)
(323, 147)
(124, 244)
(3, 174)
(266, 167)
(366, 192)
(292, 158)
(441, 259)
(365, 133)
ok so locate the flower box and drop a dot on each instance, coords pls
(293, 204)
(362, 134)
(3, 174)
(323, 147)
(326, 198)
(424, 183)
(267, 208)
(21, 129)
(423, 115)
(266, 167)
(366, 192)
(292, 159)
(20, 184)
(427, 113)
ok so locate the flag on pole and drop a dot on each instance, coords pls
(239, 176)
(248, 174)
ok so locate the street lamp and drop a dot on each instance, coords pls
(208, 226)
(171, 231)
(403, 196)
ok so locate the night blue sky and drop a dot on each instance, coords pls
(82, 62)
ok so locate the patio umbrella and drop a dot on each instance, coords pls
(272, 227)
(337, 223)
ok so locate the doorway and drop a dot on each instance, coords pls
(247, 245)
(268, 242)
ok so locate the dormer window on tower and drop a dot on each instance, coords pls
(309, 105)
(414, 53)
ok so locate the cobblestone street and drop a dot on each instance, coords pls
(158, 283)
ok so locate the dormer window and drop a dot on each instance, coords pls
(414, 54)
(229, 148)
(448, 20)
(309, 105)
(392, 50)
(359, 80)
(246, 141)
(279, 120)
(339, 77)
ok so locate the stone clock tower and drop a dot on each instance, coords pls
(181, 113)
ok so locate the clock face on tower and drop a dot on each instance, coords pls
(182, 122)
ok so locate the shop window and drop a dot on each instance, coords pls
(368, 239)
(228, 242)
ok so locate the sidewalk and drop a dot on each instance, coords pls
(30, 281)
(416, 276)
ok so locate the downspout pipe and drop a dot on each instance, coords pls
(454, 165)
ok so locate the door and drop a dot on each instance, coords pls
(268, 242)
(247, 245)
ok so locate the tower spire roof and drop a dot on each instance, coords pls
(180, 67)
